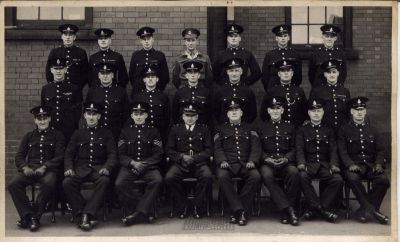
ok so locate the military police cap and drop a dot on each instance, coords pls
(150, 70)
(330, 64)
(276, 102)
(281, 29)
(330, 29)
(233, 63)
(41, 111)
(233, 103)
(192, 66)
(358, 102)
(190, 33)
(105, 67)
(233, 29)
(145, 31)
(284, 64)
(190, 108)
(93, 107)
(140, 107)
(68, 28)
(315, 103)
(103, 32)
(58, 62)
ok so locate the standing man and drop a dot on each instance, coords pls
(361, 151)
(251, 70)
(278, 160)
(39, 157)
(140, 151)
(282, 51)
(145, 57)
(189, 149)
(179, 79)
(316, 155)
(237, 150)
(76, 58)
(327, 52)
(89, 157)
(106, 55)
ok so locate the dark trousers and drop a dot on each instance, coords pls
(370, 201)
(17, 189)
(125, 188)
(332, 183)
(243, 201)
(72, 189)
(291, 179)
(174, 177)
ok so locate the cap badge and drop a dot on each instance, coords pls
(102, 32)
(331, 29)
(233, 27)
(274, 100)
(190, 107)
(41, 110)
(139, 106)
(284, 63)
(91, 105)
(192, 66)
(233, 62)
(68, 29)
(281, 29)
(359, 101)
(189, 32)
(329, 63)
(149, 70)
(105, 67)
(58, 61)
(314, 103)
(144, 32)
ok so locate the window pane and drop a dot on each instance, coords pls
(50, 13)
(315, 34)
(27, 13)
(299, 15)
(334, 15)
(74, 13)
(317, 15)
(299, 34)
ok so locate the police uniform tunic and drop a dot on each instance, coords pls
(250, 65)
(270, 76)
(141, 143)
(108, 56)
(142, 58)
(77, 64)
(37, 148)
(319, 56)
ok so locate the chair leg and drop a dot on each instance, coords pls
(155, 208)
(53, 208)
(104, 209)
(209, 199)
(33, 195)
(347, 200)
(221, 200)
(259, 201)
(171, 206)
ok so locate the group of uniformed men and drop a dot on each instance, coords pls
(327, 136)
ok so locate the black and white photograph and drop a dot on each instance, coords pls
(214, 120)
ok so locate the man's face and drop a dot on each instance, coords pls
(139, 117)
(275, 113)
(331, 76)
(190, 118)
(191, 44)
(147, 42)
(150, 81)
(282, 40)
(104, 42)
(234, 74)
(58, 73)
(329, 40)
(234, 39)
(106, 78)
(316, 115)
(68, 38)
(234, 114)
(358, 114)
(42, 122)
(92, 118)
(286, 75)
(193, 77)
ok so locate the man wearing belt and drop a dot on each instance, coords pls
(237, 150)
(189, 149)
(89, 157)
(39, 156)
(76, 58)
(179, 78)
(251, 70)
(140, 151)
(278, 160)
(316, 155)
(361, 151)
(144, 57)
(296, 102)
(106, 55)
(282, 51)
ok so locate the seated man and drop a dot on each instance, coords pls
(140, 151)
(236, 151)
(316, 155)
(278, 160)
(361, 150)
(189, 149)
(89, 157)
(39, 156)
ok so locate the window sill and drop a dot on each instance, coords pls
(15, 33)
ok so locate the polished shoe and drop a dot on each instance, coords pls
(284, 218)
(23, 223)
(34, 224)
(328, 216)
(293, 219)
(309, 214)
(380, 217)
(183, 213)
(361, 216)
(242, 219)
(197, 212)
(85, 224)
(233, 219)
(135, 218)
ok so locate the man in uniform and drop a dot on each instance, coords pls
(147, 56)
(316, 154)
(361, 151)
(327, 52)
(235, 88)
(189, 148)
(193, 92)
(106, 55)
(39, 156)
(251, 70)
(179, 79)
(237, 150)
(76, 58)
(296, 101)
(282, 51)
(140, 151)
(278, 160)
(89, 157)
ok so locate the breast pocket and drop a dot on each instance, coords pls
(284, 141)
(99, 149)
(369, 144)
(49, 149)
(323, 144)
(34, 149)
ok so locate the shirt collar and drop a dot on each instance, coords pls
(190, 56)
(191, 127)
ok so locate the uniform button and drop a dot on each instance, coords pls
(190, 145)
(362, 147)
(277, 149)
(277, 143)
(317, 156)
(276, 138)
(276, 127)
(317, 148)
(317, 141)
(238, 151)
(57, 90)
(151, 111)
(190, 138)
(91, 151)
(317, 135)
(41, 145)
(139, 148)
(91, 144)
(91, 132)
(237, 142)
(58, 120)
(138, 136)
(289, 115)
(335, 117)
(41, 151)
(139, 130)
(288, 109)
(91, 138)
(138, 142)
(335, 111)
(360, 129)
(362, 141)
